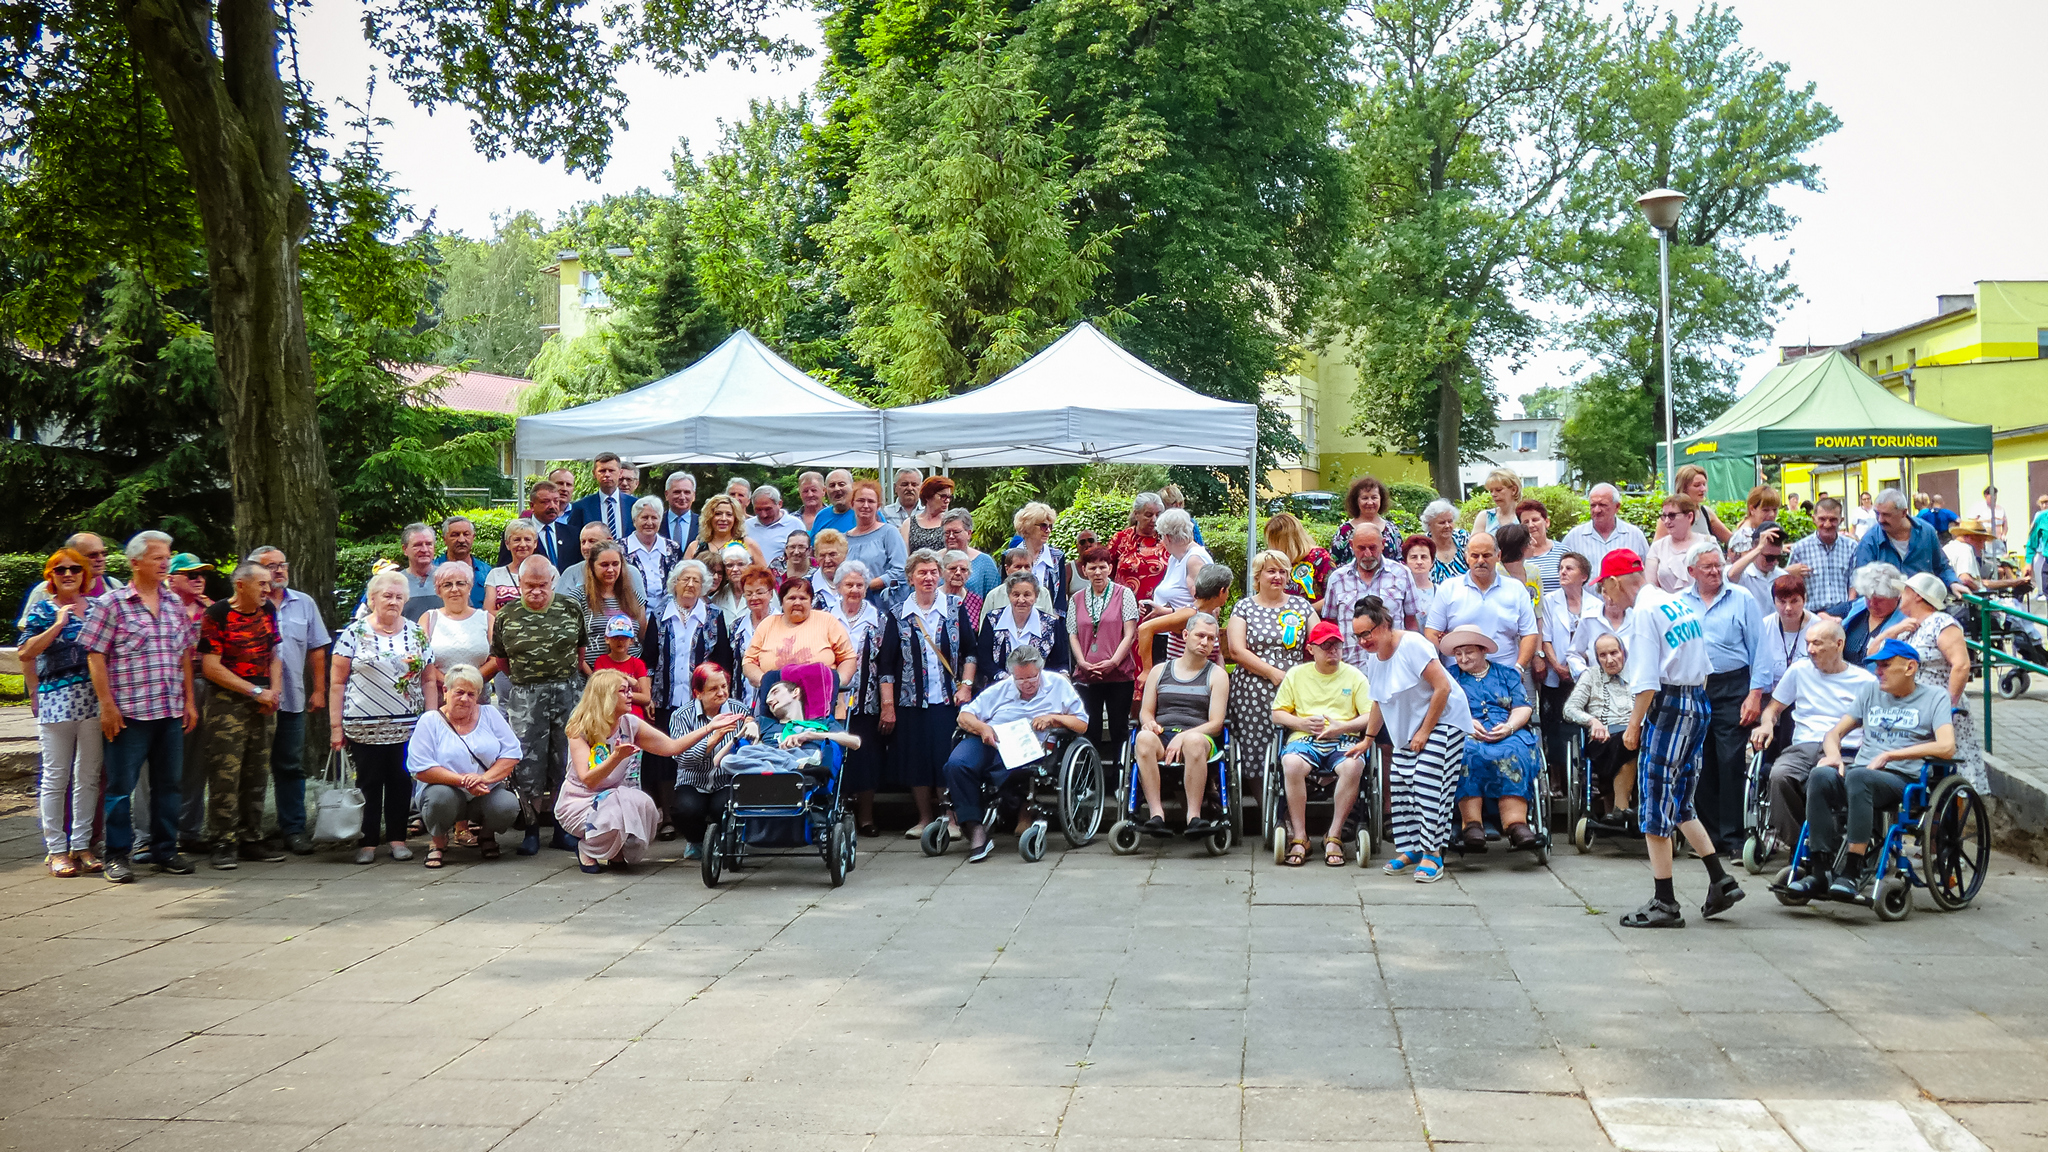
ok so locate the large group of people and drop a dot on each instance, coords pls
(584, 690)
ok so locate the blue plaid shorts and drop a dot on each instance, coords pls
(1668, 770)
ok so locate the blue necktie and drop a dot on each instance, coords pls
(611, 513)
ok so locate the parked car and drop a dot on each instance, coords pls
(1307, 505)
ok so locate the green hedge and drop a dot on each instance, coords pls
(20, 571)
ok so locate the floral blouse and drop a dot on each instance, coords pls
(386, 689)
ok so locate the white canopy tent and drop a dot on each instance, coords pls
(1082, 400)
(739, 404)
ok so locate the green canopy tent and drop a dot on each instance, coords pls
(1819, 410)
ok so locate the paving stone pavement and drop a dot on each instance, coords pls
(1086, 1002)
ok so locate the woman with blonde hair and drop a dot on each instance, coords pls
(1267, 635)
(1308, 564)
(379, 675)
(602, 803)
(1033, 523)
(1506, 489)
(722, 522)
(501, 585)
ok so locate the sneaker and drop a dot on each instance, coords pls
(119, 870)
(259, 851)
(175, 864)
(1725, 894)
(1848, 886)
(691, 851)
(299, 844)
(224, 858)
(141, 856)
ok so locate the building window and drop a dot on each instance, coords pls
(591, 287)
(1308, 428)
(1912, 357)
(1887, 365)
(1870, 366)
(2041, 343)
(1525, 441)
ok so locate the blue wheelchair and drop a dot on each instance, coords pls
(1937, 838)
(782, 812)
(1223, 796)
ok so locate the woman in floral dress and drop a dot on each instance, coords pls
(1268, 634)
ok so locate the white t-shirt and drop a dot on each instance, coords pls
(1667, 646)
(1403, 695)
(1861, 520)
(1504, 612)
(1820, 699)
(436, 745)
(1000, 703)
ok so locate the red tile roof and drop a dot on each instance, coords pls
(467, 391)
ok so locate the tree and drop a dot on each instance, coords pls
(659, 319)
(1697, 111)
(1472, 117)
(493, 296)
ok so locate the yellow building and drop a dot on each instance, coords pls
(1981, 358)
(1315, 397)
(579, 292)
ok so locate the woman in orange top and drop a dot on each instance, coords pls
(799, 635)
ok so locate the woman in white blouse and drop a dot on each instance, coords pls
(1184, 561)
(461, 757)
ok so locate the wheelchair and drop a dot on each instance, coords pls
(1762, 842)
(2010, 634)
(1937, 838)
(1064, 786)
(1223, 796)
(782, 812)
(1591, 824)
(1540, 800)
(1371, 823)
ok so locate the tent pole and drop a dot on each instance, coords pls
(1251, 514)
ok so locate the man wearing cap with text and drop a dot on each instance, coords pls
(1316, 704)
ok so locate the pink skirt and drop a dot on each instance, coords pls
(620, 825)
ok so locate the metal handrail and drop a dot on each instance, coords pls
(1993, 656)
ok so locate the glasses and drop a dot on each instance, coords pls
(68, 570)
(1670, 515)
(99, 555)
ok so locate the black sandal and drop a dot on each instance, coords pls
(870, 831)
(435, 858)
(488, 847)
(1654, 914)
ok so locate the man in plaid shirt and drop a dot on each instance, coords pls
(139, 645)
(1368, 574)
(1825, 560)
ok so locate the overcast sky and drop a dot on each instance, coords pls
(1933, 156)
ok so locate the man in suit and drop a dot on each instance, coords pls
(610, 505)
(555, 542)
(678, 522)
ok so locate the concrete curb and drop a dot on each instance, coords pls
(2019, 808)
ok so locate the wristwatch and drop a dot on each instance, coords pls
(255, 691)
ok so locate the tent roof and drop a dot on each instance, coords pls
(740, 403)
(1082, 399)
(1824, 409)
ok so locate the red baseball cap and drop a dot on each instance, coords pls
(1323, 633)
(1620, 562)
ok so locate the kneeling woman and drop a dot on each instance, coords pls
(704, 727)
(601, 802)
(1425, 715)
(1500, 757)
(461, 756)
(1180, 721)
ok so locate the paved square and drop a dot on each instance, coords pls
(1087, 1002)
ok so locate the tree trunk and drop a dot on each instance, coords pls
(1450, 413)
(227, 116)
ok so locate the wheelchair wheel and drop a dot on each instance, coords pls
(1574, 781)
(935, 838)
(1955, 844)
(2014, 683)
(1217, 843)
(1031, 845)
(711, 851)
(1277, 840)
(1778, 883)
(1271, 792)
(1754, 854)
(1582, 834)
(1080, 793)
(1124, 837)
(838, 853)
(1239, 822)
(1362, 844)
(1893, 900)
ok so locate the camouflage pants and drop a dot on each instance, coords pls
(237, 733)
(539, 716)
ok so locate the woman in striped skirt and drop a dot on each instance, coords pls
(1426, 717)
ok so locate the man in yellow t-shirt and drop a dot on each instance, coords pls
(1317, 704)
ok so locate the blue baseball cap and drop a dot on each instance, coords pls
(1893, 649)
(623, 626)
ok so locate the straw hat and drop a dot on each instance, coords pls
(1970, 526)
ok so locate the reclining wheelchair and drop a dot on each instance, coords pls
(1938, 837)
(779, 811)
(1065, 786)
(1223, 797)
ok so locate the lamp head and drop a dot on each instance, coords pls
(1660, 207)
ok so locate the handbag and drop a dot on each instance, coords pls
(338, 812)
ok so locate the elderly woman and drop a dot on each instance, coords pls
(461, 757)
(799, 634)
(686, 634)
(1140, 553)
(878, 544)
(1944, 662)
(704, 725)
(379, 672)
(501, 584)
(1602, 704)
(757, 607)
(1268, 635)
(1440, 522)
(1703, 520)
(1506, 489)
(983, 575)
(861, 774)
(1308, 564)
(1500, 753)
(602, 804)
(925, 529)
(828, 552)
(730, 595)
(1418, 555)
(1180, 721)
(1365, 507)
(1033, 523)
(607, 593)
(1876, 607)
(1665, 566)
(457, 633)
(722, 522)
(928, 664)
(1023, 622)
(59, 687)
(958, 570)
(1102, 633)
(1425, 716)
(652, 554)
(1184, 561)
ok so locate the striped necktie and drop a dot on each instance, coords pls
(611, 513)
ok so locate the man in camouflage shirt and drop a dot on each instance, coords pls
(536, 640)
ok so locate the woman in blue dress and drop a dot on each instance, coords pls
(1500, 756)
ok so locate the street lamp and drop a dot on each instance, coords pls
(1660, 208)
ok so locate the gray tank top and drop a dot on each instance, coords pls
(1182, 703)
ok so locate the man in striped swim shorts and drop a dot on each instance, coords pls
(1667, 673)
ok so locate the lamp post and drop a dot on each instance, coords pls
(1660, 208)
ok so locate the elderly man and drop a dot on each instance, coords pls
(1604, 531)
(303, 641)
(417, 540)
(741, 489)
(458, 538)
(97, 582)
(549, 501)
(241, 652)
(610, 505)
(1369, 574)
(1904, 723)
(771, 526)
(1317, 705)
(838, 511)
(1876, 608)
(678, 522)
(810, 498)
(1046, 699)
(139, 648)
(1739, 674)
(908, 483)
(537, 640)
(1479, 598)
(588, 540)
(1820, 689)
(1905, 541)
(1825, 559)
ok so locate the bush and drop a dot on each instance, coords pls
(1107, 513)
(1409, 497)
(20, 571)
(1223, 536)
(1568, 509)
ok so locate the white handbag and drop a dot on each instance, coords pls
(338, 812)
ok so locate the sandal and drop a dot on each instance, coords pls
(488, 847)
(1297, 852)
(61, 865)
(434, 858)
(464, 837)
(1398, 863)
(1654, 914)
(1333, 852)
(1429, 870)
(89, 862)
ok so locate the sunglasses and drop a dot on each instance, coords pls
(68, 570)
(1670, 515)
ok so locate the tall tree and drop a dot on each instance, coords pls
(1472, 116)
(493, 296)
(1694, 110)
